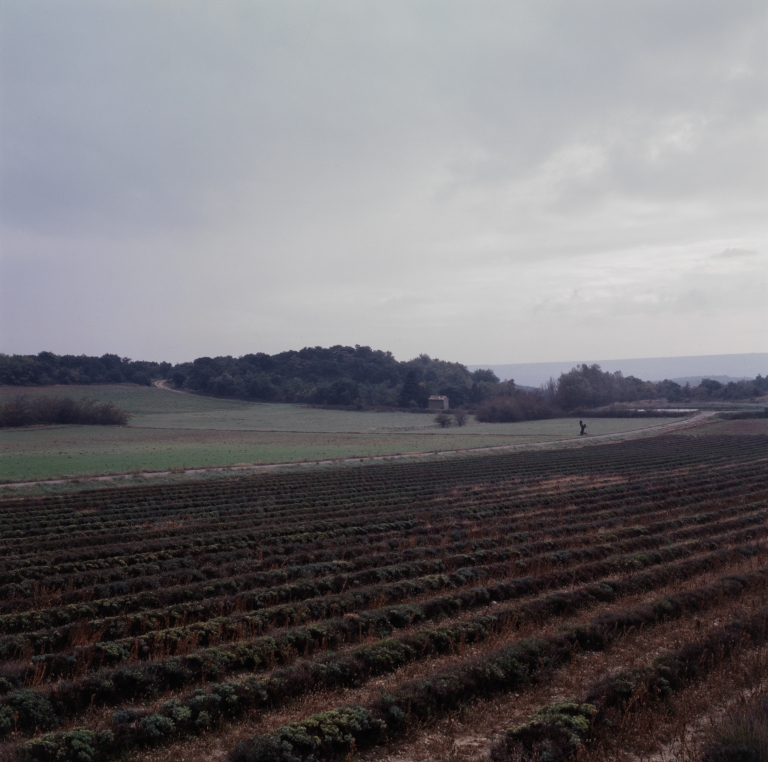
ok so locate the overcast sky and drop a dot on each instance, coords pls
(487, 182)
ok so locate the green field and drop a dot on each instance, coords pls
(174, 431)
(139, 400)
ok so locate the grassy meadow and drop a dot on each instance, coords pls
(169, 430)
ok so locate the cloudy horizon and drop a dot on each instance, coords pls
(491, 182)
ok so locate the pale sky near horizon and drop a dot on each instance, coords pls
(487, 182)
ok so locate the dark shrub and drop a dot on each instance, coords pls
(6, 685)
(330, 734)
(30, 411)
(520, 406)
(6, 720)
(158, 728)
(78, 745)
(32, 711)
(556, 732)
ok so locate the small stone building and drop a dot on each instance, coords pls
(438, 402)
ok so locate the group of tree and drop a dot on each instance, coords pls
(24, 410)
(340, 376)
(457, 417)
(588, 387)
(48, 368)
(363, 377)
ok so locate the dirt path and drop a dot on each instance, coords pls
(256, 467)
(163, 384)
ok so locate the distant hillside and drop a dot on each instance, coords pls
(696, 380)
(335, 376)
(347, 376)
(363, 377)
(680, 369)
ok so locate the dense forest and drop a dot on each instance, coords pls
(364, 377)
(336, 376)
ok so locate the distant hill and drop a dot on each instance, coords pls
(346, 376)
(722, 368)
(334, 376)
(696, 380)
(363, 377)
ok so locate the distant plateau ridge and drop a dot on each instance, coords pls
(723, 368)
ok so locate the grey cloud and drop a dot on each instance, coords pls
(264, 174)
(734, 254)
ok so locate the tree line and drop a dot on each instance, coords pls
(363, 377)
(342, 376)
(48, 368)
(587, 387)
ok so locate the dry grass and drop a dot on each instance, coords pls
(679, 728)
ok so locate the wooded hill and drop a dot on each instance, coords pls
(364, 377)
(336, 376)
(315, 375)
